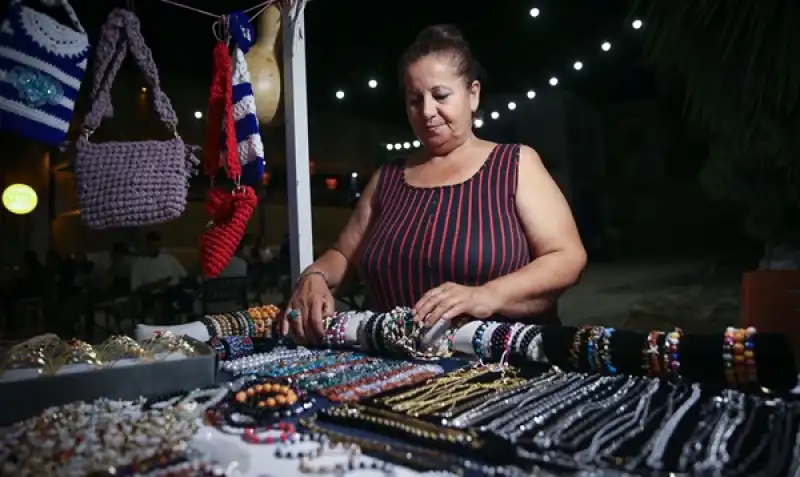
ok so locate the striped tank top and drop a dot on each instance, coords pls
(419, 238)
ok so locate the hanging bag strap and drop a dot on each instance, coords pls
(121, 34)
(57, 3)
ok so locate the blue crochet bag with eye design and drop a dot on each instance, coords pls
(42, 64)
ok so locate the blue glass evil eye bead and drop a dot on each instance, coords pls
(35, 88)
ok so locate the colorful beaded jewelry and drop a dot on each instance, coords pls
(672, 357)
(750, 368)
(605, 352)
(729, 345)
(651, 354)
(575, 351)
(265, 435)
(277, 395)
(237, 347)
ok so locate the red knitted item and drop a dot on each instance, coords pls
(230, 213)
(229, 210)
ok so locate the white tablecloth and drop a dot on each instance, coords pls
(258, 460)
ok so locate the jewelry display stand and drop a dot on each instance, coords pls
(25, 392)
(700, 356)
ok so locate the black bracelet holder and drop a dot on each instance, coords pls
(700, 356)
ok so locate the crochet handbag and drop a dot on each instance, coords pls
(42, 64)
(129, 184)
(230, 210)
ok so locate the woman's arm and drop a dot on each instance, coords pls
(552, 237)
(334, 262)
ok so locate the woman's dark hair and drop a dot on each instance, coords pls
(442, 40)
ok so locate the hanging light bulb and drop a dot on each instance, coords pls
(578, 65)
(494, 115)
(553, 81)
(531, 94)
(512, 106)
(605, 46)
(340, 94)
(535, 12)
(636, 24)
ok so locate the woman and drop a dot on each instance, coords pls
(465, 227)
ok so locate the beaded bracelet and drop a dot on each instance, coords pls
(218, 347)
(605, 353)
(577, 342)
(652, 361)
(498, 342)
(255, 435)
(672, 357)
(477, 338)
(278, 395)
(237, 346)
(486, 345)
(729, 345)
(531, 345)
(750, 369)
(593, 349)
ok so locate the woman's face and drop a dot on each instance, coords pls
(439, 103)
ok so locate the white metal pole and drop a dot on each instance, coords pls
(297, 162)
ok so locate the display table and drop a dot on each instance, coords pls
(258, 460)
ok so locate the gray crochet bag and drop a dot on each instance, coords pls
(129, 184)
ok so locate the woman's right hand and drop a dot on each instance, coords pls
(310, 303)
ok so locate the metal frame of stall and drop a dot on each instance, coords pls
(297, 148)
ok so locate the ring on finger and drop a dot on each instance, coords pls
(293, 314)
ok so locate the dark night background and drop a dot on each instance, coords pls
(677, 148)
(348, 42)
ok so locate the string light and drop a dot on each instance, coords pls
(406, 145)
(416, 143)
(553, 81)
(198, 115)
(372, 84)
(340, 94)
(144, 89)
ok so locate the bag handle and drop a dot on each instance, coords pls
(56, 3)
(121, 34)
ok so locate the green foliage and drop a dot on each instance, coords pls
(734, 61)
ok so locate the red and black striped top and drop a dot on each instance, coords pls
(419, 238)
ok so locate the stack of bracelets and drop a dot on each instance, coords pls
(229, 324)
(591, 350)
(661, 356)
(738, 356)
(263, 317)
(232, 347)
(396, 334)
(494, 341)
(336, 326)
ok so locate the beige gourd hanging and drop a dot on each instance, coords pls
(265, 71)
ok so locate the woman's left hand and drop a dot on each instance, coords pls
(450, 300)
